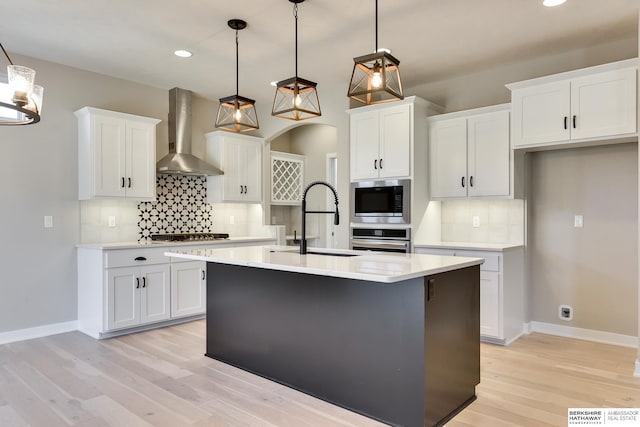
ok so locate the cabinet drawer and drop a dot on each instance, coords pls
(134, 257)
(434, 251)
(491, 261)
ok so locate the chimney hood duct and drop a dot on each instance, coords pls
(180, 160)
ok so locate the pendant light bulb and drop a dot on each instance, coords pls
(298, 100)
(238, 114)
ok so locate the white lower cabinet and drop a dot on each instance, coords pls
(188, 288)
(137, 295)
(502, 316)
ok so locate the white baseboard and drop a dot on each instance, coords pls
(585, 334)
(37, 332)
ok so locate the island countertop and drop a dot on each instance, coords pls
(361, 265)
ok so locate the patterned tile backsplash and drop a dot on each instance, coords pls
(180, 207)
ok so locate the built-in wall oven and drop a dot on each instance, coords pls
(381, 202)
(381, 239)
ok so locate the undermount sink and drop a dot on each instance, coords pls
(340, 254)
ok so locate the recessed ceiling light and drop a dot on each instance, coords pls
(551, 3)
(182, 53)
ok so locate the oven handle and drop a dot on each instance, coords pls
(373, 244)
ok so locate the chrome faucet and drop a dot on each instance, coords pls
(336, 218)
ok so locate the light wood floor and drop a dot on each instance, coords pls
(161, 378)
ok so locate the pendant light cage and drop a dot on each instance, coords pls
(296, 98)
(237, 113)
(376, 77)
(21, 99)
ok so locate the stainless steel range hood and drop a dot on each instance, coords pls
(180, 160)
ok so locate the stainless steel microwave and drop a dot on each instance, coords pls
(384, 201)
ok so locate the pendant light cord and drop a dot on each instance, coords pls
(295, 13)
(376, 51)
(237, 63)
(7, 55)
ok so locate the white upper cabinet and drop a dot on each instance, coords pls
(469, 154)
(240, 158)
(116, 155)
(578, 106)
(381, 141)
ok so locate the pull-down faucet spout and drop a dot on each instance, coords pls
(336, 217)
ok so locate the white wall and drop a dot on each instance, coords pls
(594, 268)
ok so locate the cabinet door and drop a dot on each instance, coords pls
(540, 114)
(233, 170)
(603, 104)
(488, 154)
(155, 293)
(123, 297)
(364, 140)
(140, 160)
(448, 154)
(395, 142)
(109, 156)
(490, 307)
(188, 288)
(252, 165)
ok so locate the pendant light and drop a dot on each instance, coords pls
(21, 104)
(237, 113)
(296, 98)
(376, 76)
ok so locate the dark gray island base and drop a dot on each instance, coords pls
(405, 353)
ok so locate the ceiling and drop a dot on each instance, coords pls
(433, 39)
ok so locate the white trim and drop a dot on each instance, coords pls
(38, 332)
(587, 335)
(636, 373)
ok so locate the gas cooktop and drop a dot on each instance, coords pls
(186, 237)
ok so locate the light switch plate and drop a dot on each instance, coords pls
(232, 220)
(476, 221)
(578, 221)
(48, 221)
(112, 221)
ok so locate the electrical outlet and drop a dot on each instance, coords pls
(476, 221)
(565, 312)
(48, 221)
(578, 221)
(112, 221)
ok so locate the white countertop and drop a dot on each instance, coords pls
(497, 247)
(137, 245)
(371, 266)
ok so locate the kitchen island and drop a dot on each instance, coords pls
(392, 336)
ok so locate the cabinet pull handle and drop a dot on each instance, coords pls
(245, 189)
(380, 163)
(140, 258)
(471, 181)
(129, 182)
(431, 289)
(144, 282)
(574, 122)
(462, 182)
(203, 276)
(375, 164)
(565, 122)
(122, 182)
(137, 283)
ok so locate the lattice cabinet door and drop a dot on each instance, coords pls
(287, 178)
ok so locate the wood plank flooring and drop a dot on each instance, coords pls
(161, 378)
